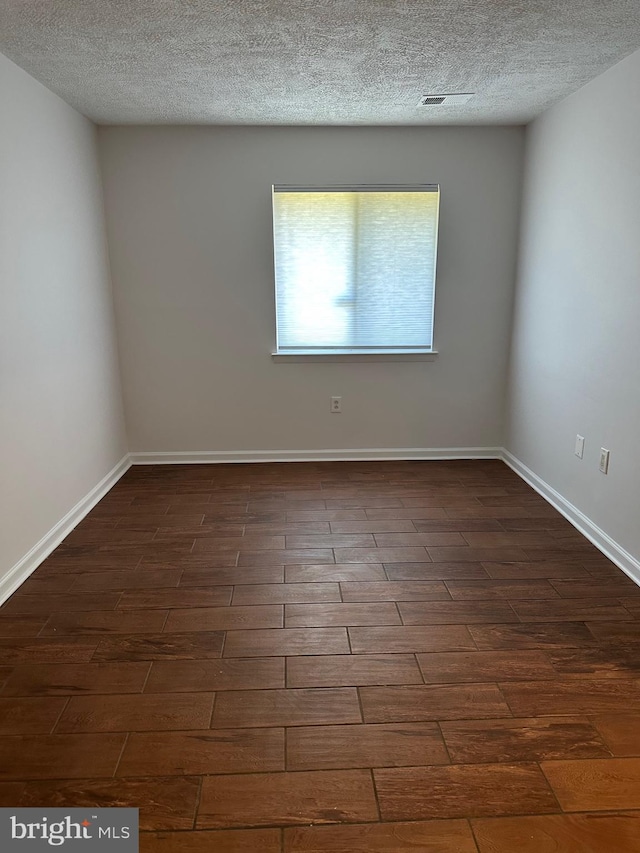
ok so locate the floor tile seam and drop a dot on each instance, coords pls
(198, 800)
(472, 832)
(514, 716)
(592, 719)
(367, 767)
(110, 731)
(360, 706)
(550, 786)
(40, 635)
(487, 762)
(119, 759)
(328, 722)
(283, 827)
(288, 827)
(578, 680)
(632, 812)
(214, 702)
(59, 717)
(375, 795)
(519, 620)
(338, 686)
(262, 689)
(189, 775)
(546, 812)
(286, 749)
(146, 678)
(444, 742)
(197, 607)
(222, 647)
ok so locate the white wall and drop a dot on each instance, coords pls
(189, 221)
(575, 356)
(61, 424)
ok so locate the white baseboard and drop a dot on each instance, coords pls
(603, 542)
(18, 574)
(333, 455)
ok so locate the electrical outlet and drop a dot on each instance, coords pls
(579, 446)
(336, 405)
(604, 460)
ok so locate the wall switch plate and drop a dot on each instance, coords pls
(336, 405)
(604, 460)
(579, 446)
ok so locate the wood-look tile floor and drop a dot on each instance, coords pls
(380, 657)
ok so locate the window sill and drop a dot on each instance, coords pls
(356, 355)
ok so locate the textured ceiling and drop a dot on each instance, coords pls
(315, 61)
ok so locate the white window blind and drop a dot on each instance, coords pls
(355, 268)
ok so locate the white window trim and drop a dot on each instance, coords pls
(354, 355)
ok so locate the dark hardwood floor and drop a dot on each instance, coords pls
(337, 657)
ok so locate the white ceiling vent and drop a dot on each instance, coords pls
(445, 100)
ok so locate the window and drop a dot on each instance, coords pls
(355, 268)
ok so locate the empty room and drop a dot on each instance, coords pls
(319, 418)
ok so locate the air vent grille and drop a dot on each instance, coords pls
(447, 100)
